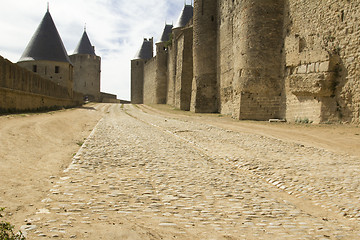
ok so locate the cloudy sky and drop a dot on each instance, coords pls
(115, 27)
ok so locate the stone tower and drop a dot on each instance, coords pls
(87, 69)
(183, 59)
(204, 92)
(46, 55)
(145, 53)
(161, 65)
(258, 59)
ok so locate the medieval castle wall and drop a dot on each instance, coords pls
(60, 73)
(322, 55)
(21, 89)
(184, 69)
(150, 81)
(260, 59)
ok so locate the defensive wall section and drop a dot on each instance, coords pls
(23, 90)
(261, 59)
(108, 98)
(150, 81)
(322, 56)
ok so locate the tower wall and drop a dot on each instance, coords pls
(184, 69)
(137, 81)
(258, 72)
(161, 73)
(24, 90)
(150, 81)
(170, 76)
(60, 73)
(87, 75)
(204, 87)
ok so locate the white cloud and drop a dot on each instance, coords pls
(115, 27)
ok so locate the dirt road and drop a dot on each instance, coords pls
(158, 173)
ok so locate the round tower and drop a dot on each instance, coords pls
(161, 65)
(258, 59)
(205, 92)
(260, 35)
(87, 69)
(46, 55)
(144, 54)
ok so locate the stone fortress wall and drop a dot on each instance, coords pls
(322, 56)
(261, 59)
(21, 89)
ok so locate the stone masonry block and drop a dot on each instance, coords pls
(302, 69)
(324, 66)
(311, 68)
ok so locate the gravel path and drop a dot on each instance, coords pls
(144, 176)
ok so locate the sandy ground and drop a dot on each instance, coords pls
(339, 138)
(36, 148)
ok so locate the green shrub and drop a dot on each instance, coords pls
(7, 230)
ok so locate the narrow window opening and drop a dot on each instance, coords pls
(342, 15)
(212, 18)
(57, 69)
(34, 68)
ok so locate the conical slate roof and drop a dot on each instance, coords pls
(146, 50)
(185, 16)
(46, 43)
(84, 46)
(166, 33)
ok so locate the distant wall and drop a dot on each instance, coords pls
(150, 82)
(184, 69)
(171, 66)
(137, 81)
(108, 98)
(24, 90)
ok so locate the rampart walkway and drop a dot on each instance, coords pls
(145, 176)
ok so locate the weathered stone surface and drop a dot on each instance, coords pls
(192, 180)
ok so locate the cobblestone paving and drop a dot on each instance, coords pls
(184, 179)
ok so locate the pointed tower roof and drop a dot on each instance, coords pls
(46, 43)
(146, 50)
(166, 33)
(84, 46)
(185, 16)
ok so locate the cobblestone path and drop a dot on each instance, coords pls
(144, 176)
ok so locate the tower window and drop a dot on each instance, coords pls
(57, 69)
(34, 68)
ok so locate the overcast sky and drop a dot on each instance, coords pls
(115, 27)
